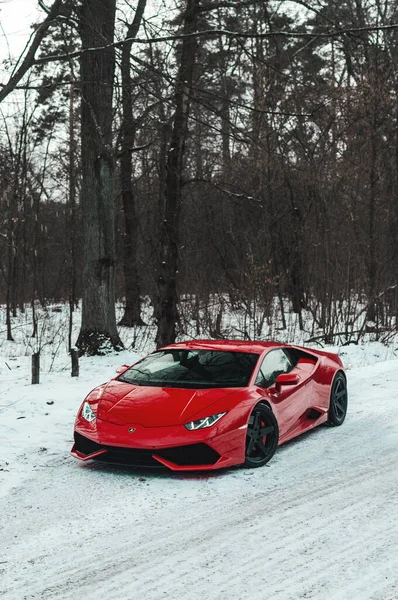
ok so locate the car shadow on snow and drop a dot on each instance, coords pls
(154, 473)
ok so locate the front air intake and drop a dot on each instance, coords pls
(182, 456)
(194, 454)
(85, 445)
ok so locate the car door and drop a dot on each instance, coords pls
(292, 401)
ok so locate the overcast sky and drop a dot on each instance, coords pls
(16, 16)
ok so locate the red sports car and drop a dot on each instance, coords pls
(208, 404)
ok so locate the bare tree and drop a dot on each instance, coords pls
(132, 313)
(97, 28)
(170, 231)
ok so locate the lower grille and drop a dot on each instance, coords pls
(86, 446)
(122, 456)
(195, 454)
(129, 456)
(183, 456)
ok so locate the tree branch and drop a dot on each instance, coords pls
(29, 59)
(210, 33)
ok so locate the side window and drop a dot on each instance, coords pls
(274, 363)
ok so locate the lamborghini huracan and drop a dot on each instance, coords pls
(205, 404)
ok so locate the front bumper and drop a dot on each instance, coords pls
(172, 447)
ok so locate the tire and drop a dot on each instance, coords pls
(262, 436)
(338, 401)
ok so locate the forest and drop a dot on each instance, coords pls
(181, 154)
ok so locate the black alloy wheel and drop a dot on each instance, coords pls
(262, 436)
(338, 401)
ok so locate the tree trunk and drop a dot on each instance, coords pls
(372, 239)
(35, 368)
(10, 259)
(71, 219)
(98, 332)
(225, 106)
(75, 363)
(132, 312)
(170, 231)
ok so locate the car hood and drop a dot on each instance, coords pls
(125, 404)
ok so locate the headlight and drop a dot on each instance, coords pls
(203, 423)
(87, 413)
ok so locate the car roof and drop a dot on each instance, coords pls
(229, 345)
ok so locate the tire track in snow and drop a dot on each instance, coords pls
(239, 515)
(314, 524)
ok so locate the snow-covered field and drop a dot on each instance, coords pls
(320, 521)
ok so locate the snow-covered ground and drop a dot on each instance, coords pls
(320, 521)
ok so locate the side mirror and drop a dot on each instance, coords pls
(286, 379)
(122, 369)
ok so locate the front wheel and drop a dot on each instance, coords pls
(338, 401)
(262, 436)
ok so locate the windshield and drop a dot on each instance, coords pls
(192, 369)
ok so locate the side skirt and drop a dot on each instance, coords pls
(306, 424)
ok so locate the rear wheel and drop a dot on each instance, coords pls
(262, 436)
(338, 401)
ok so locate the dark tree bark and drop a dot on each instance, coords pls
(225, 105)
(72, 214)
(9, 289)
(170, 231)
(36, 368)
(75, 363)
(132, 312)
(98, 330)
(371, 258)
(35, 260)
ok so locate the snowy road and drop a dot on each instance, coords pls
(320, 521)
